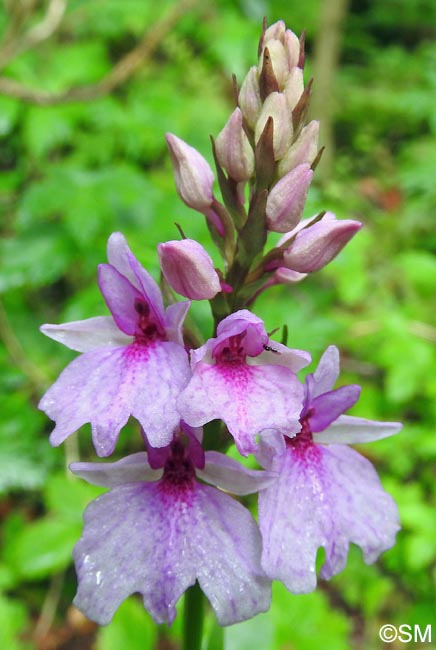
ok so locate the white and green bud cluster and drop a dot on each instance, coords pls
(275, 89)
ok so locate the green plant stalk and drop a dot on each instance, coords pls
(193, 618)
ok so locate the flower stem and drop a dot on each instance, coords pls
(193, 618)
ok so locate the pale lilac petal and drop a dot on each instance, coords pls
(108, 385)
(325, 496)
(174, 319)
(242, 321)
(327, 372)
(131, 469)
(203, 353)
(271, 445)
(226, 473)
(149, 288)
(244, 315)
(281, 355)
(326, 408)
(141, 538)
(248, 398)
(351, 430)
(118, 252)
(121, 257)
(159, 383)
(86, 335)
(120, 296)
(89, 386)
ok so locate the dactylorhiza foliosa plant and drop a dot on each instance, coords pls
(171, 518)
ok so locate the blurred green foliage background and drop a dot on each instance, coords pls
(81, 157)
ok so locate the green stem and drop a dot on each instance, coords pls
(216, 637)
(220, 309)
(193, 618)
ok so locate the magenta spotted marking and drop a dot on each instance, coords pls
(147, 330)
(231, 351)
(138, 352)
(184, 455)
(238, 375)
(302, 446)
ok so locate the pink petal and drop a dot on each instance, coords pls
(118, 252)
(120, 296)
(141, 538)
(148, 288)
(281, 355)
(131, 469)
(351, 430)
(121, 257)
(174, 318)
(325, 496)
(108, 385)
(326, 408)
(86, 335)
(226, 473)
(248, 398)
(327, 372)
(243, 321)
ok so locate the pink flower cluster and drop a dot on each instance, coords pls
(169, 518)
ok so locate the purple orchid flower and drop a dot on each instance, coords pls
(159, 529)
(326, 494)
(134, 362)
(246, 380)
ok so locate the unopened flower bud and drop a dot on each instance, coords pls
(249, 97)
(188, 269)
(193, 175)
(276, 106)
(304, 149)
(286, 200)
(294, 87)
(283, 275)
(275, 31)
(316, 245)
(292, 47)
(278, 59)
(233, 149)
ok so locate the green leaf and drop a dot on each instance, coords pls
(24, 456)
(419, 268)
(255, 634)
(130, 628)
(43, 547)
(68, 496)
(306, 621)
(37, 258)
(13, 622)
(48, 127)
(9, 111)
